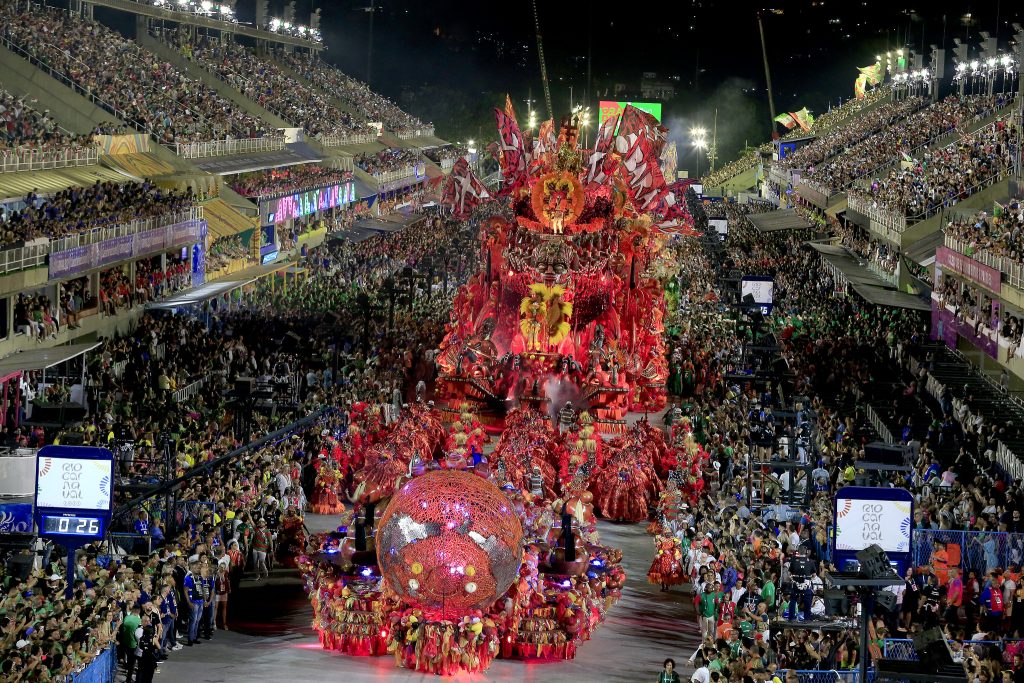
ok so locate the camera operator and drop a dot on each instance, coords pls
(802, 570)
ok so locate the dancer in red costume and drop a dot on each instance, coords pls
(667, 568)
(325, 494)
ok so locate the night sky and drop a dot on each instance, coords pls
(427, 54)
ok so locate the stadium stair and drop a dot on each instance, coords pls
(339, 103)
(979, 200)
(196, 71)
(71, 110)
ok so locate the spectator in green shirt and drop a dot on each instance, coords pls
(128, 641)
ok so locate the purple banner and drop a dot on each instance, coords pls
(111, 251)
(969, 268)
(82, 259)
(77, 260)
(946, 328)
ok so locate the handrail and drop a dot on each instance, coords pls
(19, 160)
(213, 148)
(189, 390)
(953, 201)
(890, 219)
(95, 235)
(344, 140)
(60, 76)
(22, 258)
(416, 133)
(1012, 269)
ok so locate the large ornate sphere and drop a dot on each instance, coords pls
(449, 541)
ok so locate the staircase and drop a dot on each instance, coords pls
(195, 70)
(73, 111)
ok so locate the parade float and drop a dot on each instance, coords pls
(567, 309)
(454, 553)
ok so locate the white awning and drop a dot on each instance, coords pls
(40, 359)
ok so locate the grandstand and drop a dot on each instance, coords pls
(170, 167)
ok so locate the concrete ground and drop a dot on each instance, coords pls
(271, 639)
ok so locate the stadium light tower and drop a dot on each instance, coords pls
(699, 140)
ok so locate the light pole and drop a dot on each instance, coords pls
(699, 140)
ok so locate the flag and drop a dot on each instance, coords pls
(637, 121)
(997, 209)
(463, 190)
(642, 174)
(786, 120)
(860, 87)
(906, 161)
(600, 167)
(513, 153)
(872, 73)
(509, 111)
(803, 118)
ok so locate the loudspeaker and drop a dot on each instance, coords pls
(874, 563)
(932, 649)
(748, 299)
(243, 387)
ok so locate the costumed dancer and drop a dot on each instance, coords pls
(667, 568)
(325, 493)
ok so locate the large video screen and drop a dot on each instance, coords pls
(761, 288)
(70, 483)
(305, 203)
(609, 109)
(860, 523)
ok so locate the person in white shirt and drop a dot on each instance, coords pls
(702, 674)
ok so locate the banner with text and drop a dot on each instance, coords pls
(83, 259)
(974, 271)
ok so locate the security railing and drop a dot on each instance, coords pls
(390, 176)
(875, 420)
(21, 258)
(1004, 456)
(189, 391)
(903, 648)
(1012, 269)
(345, 140)
(125, 229)
(19, 160)
(416, 133)
(892, 220)
(214, 148)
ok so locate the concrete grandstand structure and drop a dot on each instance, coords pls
(154, 112)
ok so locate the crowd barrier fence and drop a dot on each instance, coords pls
(103, 669)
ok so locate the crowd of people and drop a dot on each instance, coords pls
(823, 123)
(370, 105)
(946, 176)
(886, 145)
(444, 152)
(987, 233)
(387, 160)
(80, 209)
(757, 571)
(266, 84)
(25, 129)
(125, 78)
(278, 181)
(827, 144)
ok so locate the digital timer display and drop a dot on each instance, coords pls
(72, 526)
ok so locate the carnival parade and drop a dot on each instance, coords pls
(473, 532)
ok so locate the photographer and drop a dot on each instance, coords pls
(802, 570)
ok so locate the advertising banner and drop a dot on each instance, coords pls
(969, 268)
(83, 259)
(112, 251)
(946, 327)
(610, 109)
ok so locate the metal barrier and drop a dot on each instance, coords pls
(980, 551)
(900, 648)
(125, 229)
(879, 426)
(892, 220)
(18, 160)
(191, 511)
(389, 176)
(1011, 268)
(213, 148)
(102, 669)
(188, 391)
(345, 140)
(130, 543)
(418, 133)
(830, 676)
(22, 258)
(1009, 461)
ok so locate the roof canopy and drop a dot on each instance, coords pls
(784, 219)
(40, 359)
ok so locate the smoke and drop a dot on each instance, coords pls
(560, 390)
(741, 105)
